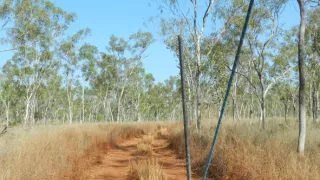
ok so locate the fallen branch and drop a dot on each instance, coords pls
(4, 131)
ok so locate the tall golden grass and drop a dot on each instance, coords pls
(246, 152)
(60, 152)
(146, 169)
(243, 152)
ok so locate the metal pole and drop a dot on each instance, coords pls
(228, 89)
(184, 108)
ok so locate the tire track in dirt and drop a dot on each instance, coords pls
(115, 165)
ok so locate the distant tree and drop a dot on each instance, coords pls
(189, 20)
(37, 25)
(69, 59)
(118, 75)
(313, 62)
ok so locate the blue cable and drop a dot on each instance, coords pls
(228, 90)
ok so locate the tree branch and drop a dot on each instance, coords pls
(248, 80)
(274, 80)
(206, 14)
(5, 50)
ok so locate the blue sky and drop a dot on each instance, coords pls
(123, 18)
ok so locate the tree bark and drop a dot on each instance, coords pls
(302, 81)
(82, 121)
(285, 112)
(294, 105)
(310, 112)
(69, 96)
(233, 110)
(26, 117)
(8, 113)
(234, 100)
(263, 113)
(315, 104)
(198, 88)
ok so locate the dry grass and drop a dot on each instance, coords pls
(144, 149)
(243, 151)
(60, 152)
(246, 152)
(146, 170)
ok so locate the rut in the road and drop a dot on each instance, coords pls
(116, 164)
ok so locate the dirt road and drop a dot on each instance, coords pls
(116, 163)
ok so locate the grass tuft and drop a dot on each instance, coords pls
(146, 170)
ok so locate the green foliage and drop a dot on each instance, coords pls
(55, 77)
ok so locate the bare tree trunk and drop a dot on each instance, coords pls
(233, 110)
(26, 117)
(111, 113)
(70, 110)
(119, 103)
(82, 105)
(294, 105)
(34, 104)
(315, 104)
(197, 40)
(263, 113)
(286, 111)
(251, 108)
(242, 109)
(302, 81)
(44, 116)
(310, 112)
(138, 109)
(209, 112)
(251, 88)
(105, 110)
(8, 113)
(64, 118)
(198, 89)
(234, 99)
(69, 96)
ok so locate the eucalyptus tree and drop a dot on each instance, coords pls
(215, 73)
(301, 62)
(6, 17)
(143, 100)
(36, 25)
(313, 60)
(69, 59)
(99, 69)
(265, 65)
(130, 66)
(284, 90)
(161, 101)
(7, 99)
(50, 98)
(117, 74)
(195, 23)
(302, 52)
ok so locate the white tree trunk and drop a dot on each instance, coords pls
(8, 113)
(82, 105)
(70, 100)
(302, 103)
(26, 117)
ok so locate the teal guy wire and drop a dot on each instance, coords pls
(228, 90)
